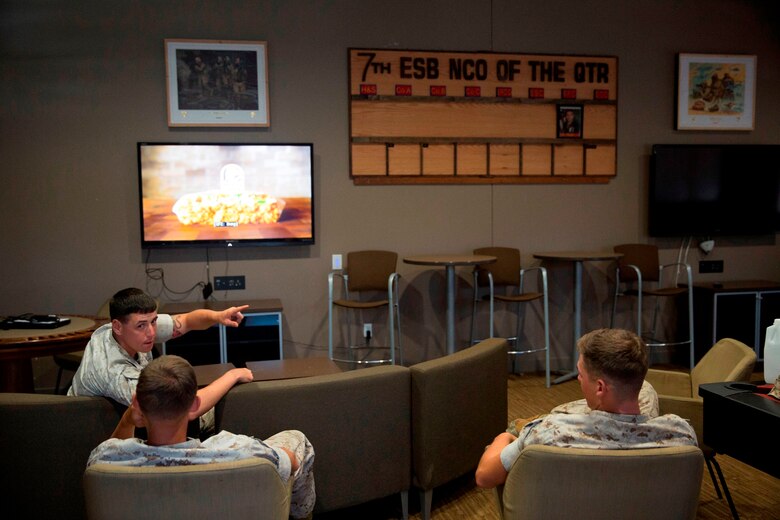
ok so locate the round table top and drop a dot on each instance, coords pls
(79, 327)
(449, 260)
(579, 256)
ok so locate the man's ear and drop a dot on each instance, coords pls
(193, 414)
(139, 419)
(116, 327)
(601, 387)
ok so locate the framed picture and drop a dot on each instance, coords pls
(716, 92)
(569, 121)
(217, 83)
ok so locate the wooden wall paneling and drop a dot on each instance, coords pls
(369, 159)
(403, 159)
(600, 160)
(568, 159)
(537, 160)
(438, 159)
(471, 159)
(504, 159)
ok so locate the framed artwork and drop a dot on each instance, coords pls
(716, 92)
(569, 121)
(217, 83)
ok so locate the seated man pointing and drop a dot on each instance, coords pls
(117, 351)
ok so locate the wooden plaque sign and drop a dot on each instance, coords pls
(481, 118)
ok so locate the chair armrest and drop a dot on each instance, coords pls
(690, 408)
(332, 290)
(542, 274)
(674, 264)
(670, 383)
(685, 267)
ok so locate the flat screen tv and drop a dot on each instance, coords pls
(714, 190)
(218, 194)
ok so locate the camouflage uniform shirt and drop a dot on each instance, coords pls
(108, 370)
(223, 447)
(601, 430)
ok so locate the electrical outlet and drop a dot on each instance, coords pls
(367, 330)
(229, 283)
(336, 262)
(710, 266)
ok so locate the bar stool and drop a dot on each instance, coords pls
(506, 272)
(366, 272)
(639, 265)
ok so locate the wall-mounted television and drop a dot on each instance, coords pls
(714, 190)
(225, 194)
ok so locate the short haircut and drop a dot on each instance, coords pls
(129, 301)
(166, 387)
(618, 355)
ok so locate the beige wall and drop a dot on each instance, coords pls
(82, 82)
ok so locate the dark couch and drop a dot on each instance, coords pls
(376, 431)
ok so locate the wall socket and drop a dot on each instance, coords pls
(710, 266)
(229, 283)
(368, 330)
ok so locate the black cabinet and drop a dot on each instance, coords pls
(734, 309)
(257, 338)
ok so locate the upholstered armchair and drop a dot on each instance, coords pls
(678, 393)
(247, 488)
(553, 482)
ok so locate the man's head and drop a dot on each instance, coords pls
(569, 116)
(611, 357)
(166, 388)
(133, 320)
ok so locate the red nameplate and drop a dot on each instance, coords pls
(536, 93)
(504, 92)
(367, 89)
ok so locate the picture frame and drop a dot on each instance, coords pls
(569, 121)
(217, 83)
(716, 92)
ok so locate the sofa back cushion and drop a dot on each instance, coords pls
(357, 421)
(459, 404)
(247, 488)
(45, 441)
(554, 482)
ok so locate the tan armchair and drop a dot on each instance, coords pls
(553, 482)
(678, 393)
(247, 488)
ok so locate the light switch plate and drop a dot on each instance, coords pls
(336, 262)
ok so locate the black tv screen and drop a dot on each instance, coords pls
(204, 194)
(714, 190)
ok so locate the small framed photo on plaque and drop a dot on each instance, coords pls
(569, 121)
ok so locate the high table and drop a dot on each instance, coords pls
(578, 258)
(450, 262)
(19, 346)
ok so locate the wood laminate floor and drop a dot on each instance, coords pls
(756, 494)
